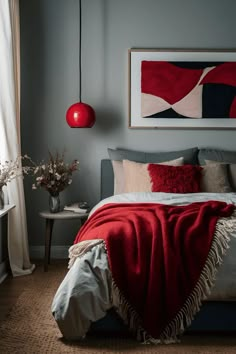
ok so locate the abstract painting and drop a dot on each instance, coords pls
(182, 89)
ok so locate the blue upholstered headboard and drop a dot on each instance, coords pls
(107, 179)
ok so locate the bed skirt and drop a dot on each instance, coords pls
(214, 316)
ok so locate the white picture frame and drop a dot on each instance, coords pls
(135, 58)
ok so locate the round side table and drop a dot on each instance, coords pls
(50, 218)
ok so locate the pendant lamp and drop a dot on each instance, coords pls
(80, 114)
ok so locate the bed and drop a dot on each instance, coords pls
(85, 299)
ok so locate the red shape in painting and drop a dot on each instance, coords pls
(232, 112)
(165, 80)
(222, 74)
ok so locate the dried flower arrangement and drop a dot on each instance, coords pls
(53, 175)
(10, 170)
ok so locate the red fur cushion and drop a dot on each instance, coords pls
(175, 179)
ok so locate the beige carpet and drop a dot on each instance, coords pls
(30, 327)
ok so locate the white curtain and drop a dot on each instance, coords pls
(10, 144)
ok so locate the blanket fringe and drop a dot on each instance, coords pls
(184, 317)
(79, 249)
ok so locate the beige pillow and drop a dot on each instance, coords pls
(119, 178)
(136, 176)
(215, 178)
(231, 169)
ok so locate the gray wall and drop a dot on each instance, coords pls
(49, 53)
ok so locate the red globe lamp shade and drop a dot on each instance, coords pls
(80, 115)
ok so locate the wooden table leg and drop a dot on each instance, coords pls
(48, 239)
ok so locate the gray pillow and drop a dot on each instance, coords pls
(216, 155)
(231, 169)
(189, 155)
(232, 176)
(215, 178)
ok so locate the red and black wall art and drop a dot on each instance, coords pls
(182, 89)
(193, 90)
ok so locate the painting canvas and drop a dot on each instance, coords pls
(179, 89)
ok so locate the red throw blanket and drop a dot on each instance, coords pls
(156, 254)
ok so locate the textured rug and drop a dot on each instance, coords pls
(30, 328)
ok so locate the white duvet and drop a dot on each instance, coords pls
(84, 295)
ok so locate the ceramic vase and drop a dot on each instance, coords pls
(54, 203)
(1, 199)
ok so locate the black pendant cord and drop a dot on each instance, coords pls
(80, 45)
